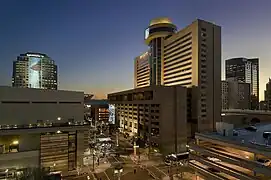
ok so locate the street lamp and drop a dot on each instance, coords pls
(117, 133)
(6, 171)
(118, 170)
(93, 165)
(135, 146)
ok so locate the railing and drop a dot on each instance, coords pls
(222, 168)
(245, 163)
(246, 111)
(205, 172)
(42, 125)
(231, 140)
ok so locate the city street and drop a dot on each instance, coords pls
(144, 169)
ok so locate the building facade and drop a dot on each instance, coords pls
(235, 95)
(157, 114)
(247, 71)
(263, 105)
(34, 70)
(267, 95)
(189, 57)
(142, 70)
(97, 110)
(28, 106)
(42, 128)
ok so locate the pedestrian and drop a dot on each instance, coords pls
(134, 170)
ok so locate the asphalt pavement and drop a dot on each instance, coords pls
(144, 169)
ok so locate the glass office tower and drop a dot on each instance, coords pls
(245, 70)
(34, 70)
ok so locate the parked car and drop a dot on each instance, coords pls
(235, 133)
(266, 134)
(251, 128)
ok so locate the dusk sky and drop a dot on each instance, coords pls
(94, 42)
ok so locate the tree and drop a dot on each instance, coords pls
(255, 120)
(32, 174)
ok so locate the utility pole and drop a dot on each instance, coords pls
(95, 129)
(117, 137)
(93, 166)
(170, 171)
(134, 148)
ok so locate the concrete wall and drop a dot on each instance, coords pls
(244, 120)
(25, 106)
(173, 119)
(20, 159)
(28, 142)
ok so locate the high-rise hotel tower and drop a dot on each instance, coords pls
(155, 36)
(190, 57)
(34, 70)
(142, 70)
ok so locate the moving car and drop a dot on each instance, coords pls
(174, 159)
(214, 170)
(213, 159)
(265, 162)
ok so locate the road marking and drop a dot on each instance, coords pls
(159, 170)
(151, 173)
(91, 173)
(106, 176)
(124, 159)
(116, 159)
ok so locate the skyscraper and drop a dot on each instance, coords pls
(34, 70)
(245, 70)
(235, 95)
(190, 57)
(267, 95)
(155, 35)
(142, 71)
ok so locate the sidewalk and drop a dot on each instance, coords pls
(174, 178)
(185, 176)
(102, 167)
(144, 160)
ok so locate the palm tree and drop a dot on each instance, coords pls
(32, 174)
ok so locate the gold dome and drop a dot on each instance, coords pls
(162, 20)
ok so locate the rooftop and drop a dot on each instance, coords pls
(161, 20)
(245, 138)
(35, 54)
(96, 102)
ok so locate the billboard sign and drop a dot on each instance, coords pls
(34, 72)
(112, 113)
(147, 33)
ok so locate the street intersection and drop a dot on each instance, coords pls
(145, 168)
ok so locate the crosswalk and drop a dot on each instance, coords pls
(131, 171)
